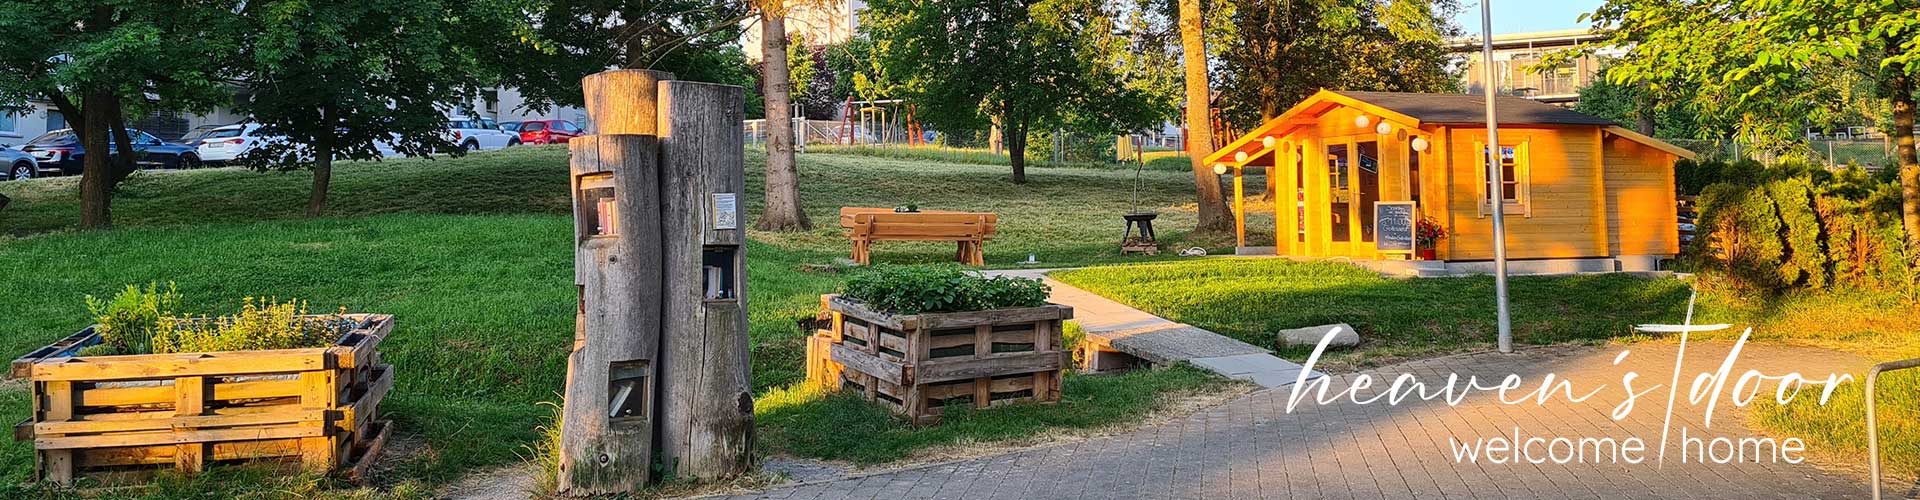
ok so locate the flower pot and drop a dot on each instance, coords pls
(1426, 254)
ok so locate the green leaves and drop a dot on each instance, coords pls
(941, 288)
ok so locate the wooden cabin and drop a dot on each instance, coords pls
(1579, 193)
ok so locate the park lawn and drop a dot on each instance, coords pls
(472, 257)
(1251, 298)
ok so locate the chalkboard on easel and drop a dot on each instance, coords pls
(1393, 225)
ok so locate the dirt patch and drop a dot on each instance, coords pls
(506, 482)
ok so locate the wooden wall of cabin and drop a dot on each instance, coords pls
(1641, 214)
(1565, 213)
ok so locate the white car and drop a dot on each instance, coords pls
(17, 165)
(227, 143)
(480, 134)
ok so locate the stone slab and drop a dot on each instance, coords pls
(1177, 342)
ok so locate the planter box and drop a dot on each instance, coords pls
(922, 364)
(115, 418)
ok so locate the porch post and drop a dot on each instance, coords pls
(1239, 207)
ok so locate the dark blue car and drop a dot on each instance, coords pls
(60, 151)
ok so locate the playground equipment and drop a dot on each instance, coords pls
(887, 121)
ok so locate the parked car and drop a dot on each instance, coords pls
(61, 150)
(480, 134)
(549, 131)
(510, 126)
(19, 165)
(224, 144)
(194, 136)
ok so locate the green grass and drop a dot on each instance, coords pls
(1251, 298)
(801, 421)
(472, 256)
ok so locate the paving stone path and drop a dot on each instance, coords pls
(1252, 448)
(1162, 341)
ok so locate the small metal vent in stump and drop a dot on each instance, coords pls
(658, 379)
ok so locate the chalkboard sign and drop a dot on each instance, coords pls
(1394, 223)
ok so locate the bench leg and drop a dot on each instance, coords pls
(860, 250)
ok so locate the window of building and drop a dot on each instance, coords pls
(9, 123)
(55, 120)
(1515, 175)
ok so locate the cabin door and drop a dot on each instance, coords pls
(1353, 185)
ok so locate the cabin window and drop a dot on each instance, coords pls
(1515, 177)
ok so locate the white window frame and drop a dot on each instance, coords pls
(1522, 204)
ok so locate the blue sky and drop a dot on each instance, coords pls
(1515, 16)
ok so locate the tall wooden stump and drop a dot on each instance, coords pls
(659, 369)
(706, 403)
(607, 423)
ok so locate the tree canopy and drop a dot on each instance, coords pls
(1281, 51)
(1028, 64)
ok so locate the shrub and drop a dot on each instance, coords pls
(267, 325)
(1795, 226)
(126, 322)
(941, 288)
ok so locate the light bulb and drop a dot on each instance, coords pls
(1419, 144)
(1361, 121)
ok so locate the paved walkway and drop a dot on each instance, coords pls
(1252, 448)
(1162, 341)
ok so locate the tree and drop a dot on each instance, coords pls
(1284, 50)
(1024, 65)
(1630, 104)
(1214, 216)
(695, 40)
(336, 77)
(1746, 63)
(98, 60)
(783, 211)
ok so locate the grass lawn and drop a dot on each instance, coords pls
(1251, 298)
(1397, 319)
(472, 256)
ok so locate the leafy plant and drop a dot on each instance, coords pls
(129, 320)
(942, 288)
(265, 324)
(1429, 232)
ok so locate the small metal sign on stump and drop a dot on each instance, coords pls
(659, 367)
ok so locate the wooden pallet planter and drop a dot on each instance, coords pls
(119, 418)
(922, 364)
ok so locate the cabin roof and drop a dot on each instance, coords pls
(1415, 111)
(1469, 108)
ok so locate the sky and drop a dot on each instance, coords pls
(1517, 16)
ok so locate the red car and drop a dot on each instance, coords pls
(549, 131)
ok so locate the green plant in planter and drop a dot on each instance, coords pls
(940, 288)
(127, 322)
(261, 324)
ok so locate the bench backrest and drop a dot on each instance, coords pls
(927, 226)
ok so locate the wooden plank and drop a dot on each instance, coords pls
(222, 391)
(361, 412)
(220, 451)
(859, 310)
(307, 430)
(317, 451)
(943, 371)
(185, 421)
(996, 316)
(869, 365)
(22, 367)
(361, 471)
(56, 465)
(190, 401)
(95, 368)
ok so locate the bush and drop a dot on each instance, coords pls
(1796, 226)
(268, 325)
(940, 288)
(127, 322)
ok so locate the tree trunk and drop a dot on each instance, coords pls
(1016, 139)
(96, 175)
(995, 137)
(322, 172)
(783, 211)
(1643, 110)
(1213, 209)
(1900, 87)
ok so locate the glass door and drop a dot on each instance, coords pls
(1339, 197)
(1367, 182)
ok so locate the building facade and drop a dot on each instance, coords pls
(1515, 56)
(831, 23)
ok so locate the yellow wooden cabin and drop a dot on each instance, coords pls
(1579, 193)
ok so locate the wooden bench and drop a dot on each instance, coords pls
(968, 230)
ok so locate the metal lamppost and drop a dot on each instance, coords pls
(1494, 181)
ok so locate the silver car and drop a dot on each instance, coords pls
(17, 165)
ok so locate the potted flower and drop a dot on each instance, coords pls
(1427, 235)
